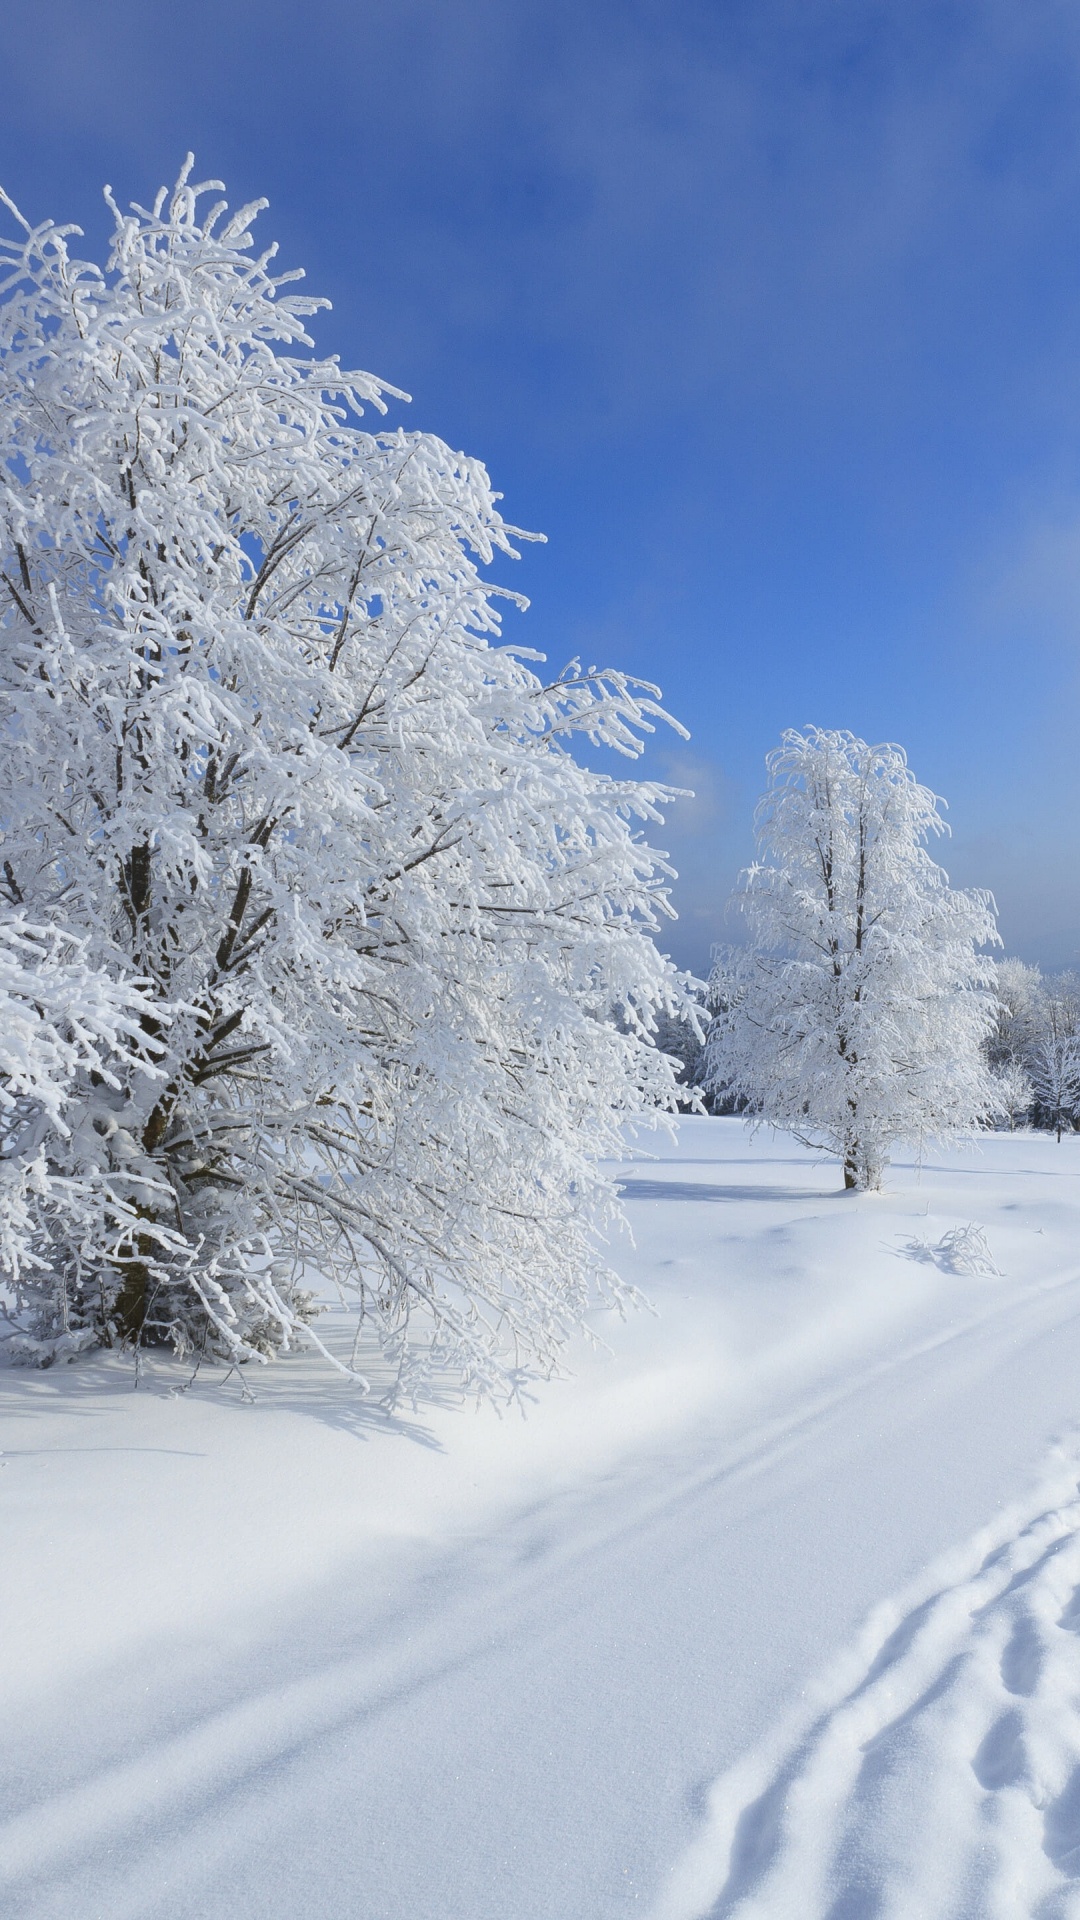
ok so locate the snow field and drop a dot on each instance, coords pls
(766, 1610)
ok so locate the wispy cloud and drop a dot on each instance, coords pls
(767, 311)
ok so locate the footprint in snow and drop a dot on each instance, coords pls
(1062, 1827)
(1022, 1657)
(1000, 1759)
(939, 1778)
(1070, 1619)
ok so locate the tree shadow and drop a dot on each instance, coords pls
(97, 1384)
(803, 1160)
(697, 1190)
(981, 1172)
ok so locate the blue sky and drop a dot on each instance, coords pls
(766, 313)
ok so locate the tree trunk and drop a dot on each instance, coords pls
(136, 1293)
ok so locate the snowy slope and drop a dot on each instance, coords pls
(759, 1613)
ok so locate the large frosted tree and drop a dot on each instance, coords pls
(332, 962)
(856, 1014)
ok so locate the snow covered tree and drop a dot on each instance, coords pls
(681, 1035)
(722, 995)
(1034, 1044)
(1013, 1095)
(1018, 994)
(359, 977)
(1054, 1074)
(1019, 1013)
(857, 1013)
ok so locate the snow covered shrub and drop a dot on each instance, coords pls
(359, 977)
(857, 1014)
(962, 1250)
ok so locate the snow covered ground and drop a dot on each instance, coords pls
(770, 1610)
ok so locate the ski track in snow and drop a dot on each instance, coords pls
(935, 1772)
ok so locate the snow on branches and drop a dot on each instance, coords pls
(359, 978)
(62, 1023)
(856, 1015)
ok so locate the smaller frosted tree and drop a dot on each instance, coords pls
(857, 1014)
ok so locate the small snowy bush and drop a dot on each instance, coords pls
(326, 956)
(962, 1250)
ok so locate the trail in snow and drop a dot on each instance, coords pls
(936, 1774)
